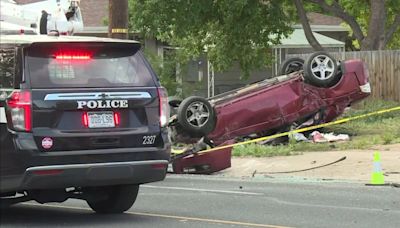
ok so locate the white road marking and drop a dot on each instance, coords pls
(180, 218)
(3, 118)
(202, 190)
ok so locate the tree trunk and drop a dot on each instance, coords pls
(118, 19)
(391, 30)
(306, 26)
(376, 26)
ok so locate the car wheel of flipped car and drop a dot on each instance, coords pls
(112, 199)
(320, 69)
(291, 65)
(196, 116)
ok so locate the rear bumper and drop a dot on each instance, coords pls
(95, 174)
(24, 167)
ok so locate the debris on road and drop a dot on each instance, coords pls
(300, 137)
(318, 137)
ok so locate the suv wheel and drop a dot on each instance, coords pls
(113, 199)
(320, 69)
(196, 116)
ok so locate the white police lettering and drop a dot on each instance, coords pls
(92, 104)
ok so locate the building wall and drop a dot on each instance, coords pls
(94, 12)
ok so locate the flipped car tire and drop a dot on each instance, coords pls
(291, 65)
(320, 69)
(117, 198)
(196, 116)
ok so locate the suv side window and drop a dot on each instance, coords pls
(7, 67)
(7, 70)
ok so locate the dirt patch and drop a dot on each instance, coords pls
(358, 165)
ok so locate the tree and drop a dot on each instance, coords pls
(165, 69)
(225, 30)
(374, 23)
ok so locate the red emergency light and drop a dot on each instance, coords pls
(73, 57)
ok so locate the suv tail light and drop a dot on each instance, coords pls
(164, 107)
(117, 118)
(19, 104)
(85, 119)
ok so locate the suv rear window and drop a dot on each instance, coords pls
(77, 65)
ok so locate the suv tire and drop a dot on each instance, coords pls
(117, 199)
(196, 116)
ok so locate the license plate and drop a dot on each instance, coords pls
(101, 119)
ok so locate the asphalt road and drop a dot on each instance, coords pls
(207, 201)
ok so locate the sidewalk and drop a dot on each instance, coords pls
(357, 166)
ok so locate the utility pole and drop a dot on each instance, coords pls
(118, 19)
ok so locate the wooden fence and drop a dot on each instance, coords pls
(384, 71)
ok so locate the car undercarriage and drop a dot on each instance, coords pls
(306, 93)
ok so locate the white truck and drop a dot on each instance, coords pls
(62, 16)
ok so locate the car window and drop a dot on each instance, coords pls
(114, 70)
(89, 67)
(7, 60)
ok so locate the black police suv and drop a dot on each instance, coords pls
(81, 118)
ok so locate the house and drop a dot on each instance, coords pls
(327, 25)
(95, 14)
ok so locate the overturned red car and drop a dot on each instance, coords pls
(318, 89)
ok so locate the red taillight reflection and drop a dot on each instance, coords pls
(85, 119)
(28, 119)
(19, 104)
(73, 57)
(117, 118)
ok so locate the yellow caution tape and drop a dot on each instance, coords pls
(177, 151)
(119, 30)
(344, 120)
